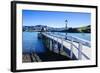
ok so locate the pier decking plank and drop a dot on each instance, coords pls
(51, 56)
(44, 57)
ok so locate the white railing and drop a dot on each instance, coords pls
(72, 42)
(74, 38)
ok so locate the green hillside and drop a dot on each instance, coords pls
(84, 29)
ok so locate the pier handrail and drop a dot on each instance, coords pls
(72, 45)
(79, 50)
(76, 39)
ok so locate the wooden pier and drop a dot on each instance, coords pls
(72, 47)
(60, 48)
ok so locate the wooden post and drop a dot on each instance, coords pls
(57, 46)
(79, 51)
(51, 45)
(61, 45)
(71, 49)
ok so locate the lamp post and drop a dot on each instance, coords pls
(66, 22)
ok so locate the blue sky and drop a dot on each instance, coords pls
(55, 19)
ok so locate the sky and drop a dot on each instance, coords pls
(55, 19)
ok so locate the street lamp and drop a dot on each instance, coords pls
(66, 22)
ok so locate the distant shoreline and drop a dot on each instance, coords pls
(58, 31)
(40, 28)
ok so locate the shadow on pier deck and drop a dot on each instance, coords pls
(51, 56)
(44, 57)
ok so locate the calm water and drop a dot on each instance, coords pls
(32, 43)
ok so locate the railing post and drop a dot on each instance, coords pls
(79, 51)
(71, 49)
(58, 46)
(61, 45)
(51, 45)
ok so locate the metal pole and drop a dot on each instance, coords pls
(66, 27)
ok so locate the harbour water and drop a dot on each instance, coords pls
(31, 42)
